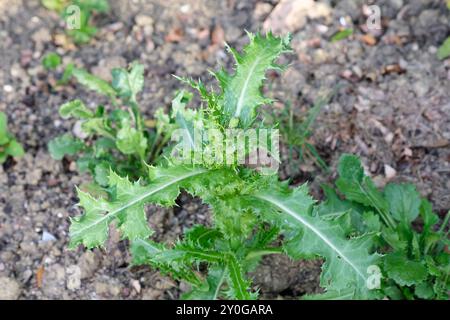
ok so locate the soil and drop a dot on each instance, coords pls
(392, 108)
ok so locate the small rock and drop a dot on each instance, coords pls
(8, 88)
(262, 9)
(389, 172)
(73, 277)
(108, 288)
(143, 20)
(151, 294)
(88, 264)
(53, 281)
(136, 285)
(104, 67)
(41, 36)
(78, 130)
(292, 15)
(47, 237)
(9, 289)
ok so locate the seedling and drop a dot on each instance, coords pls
(117, 139)
(8, 144)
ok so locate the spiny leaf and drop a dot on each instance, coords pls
(241, 93)
(129, 198)
(346, 260)
(146, 252)
(210, 287)
(240, 288)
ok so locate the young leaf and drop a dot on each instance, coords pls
(210, 288)
(51, 61)
(424, 290)
(359, 188)
(76, 109)
(128, 83)
(149, 252)
(404, 271)
(130, 140)
(4, 135)
(64, 145)
(14, 149)
(93, 83)
(404, 201)
(444, 50)
(241, 93)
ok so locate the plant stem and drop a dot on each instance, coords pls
(445, 222)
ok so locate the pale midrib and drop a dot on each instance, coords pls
(313, 229)
(244, 89)
(234, 272)
(137, 200)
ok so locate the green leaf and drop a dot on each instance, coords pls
(424, 290)
(64, 145)
(51, 61)
(404, 271)
(93, 83)
(210, 288)
(346, 260)
(96, 5)
(168, 261)
(341, 35)
(359, 188)
(241, 92)
(101, 173)
(76, 109)
(429, 218)
(128, 83)
(55, 5)
(67, 74)
(129, 197)
(444, 50)
(4, 135)
(14, 149)
(404, 201)
(131, 141)
(240, 288)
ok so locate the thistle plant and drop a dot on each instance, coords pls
(253, 213)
